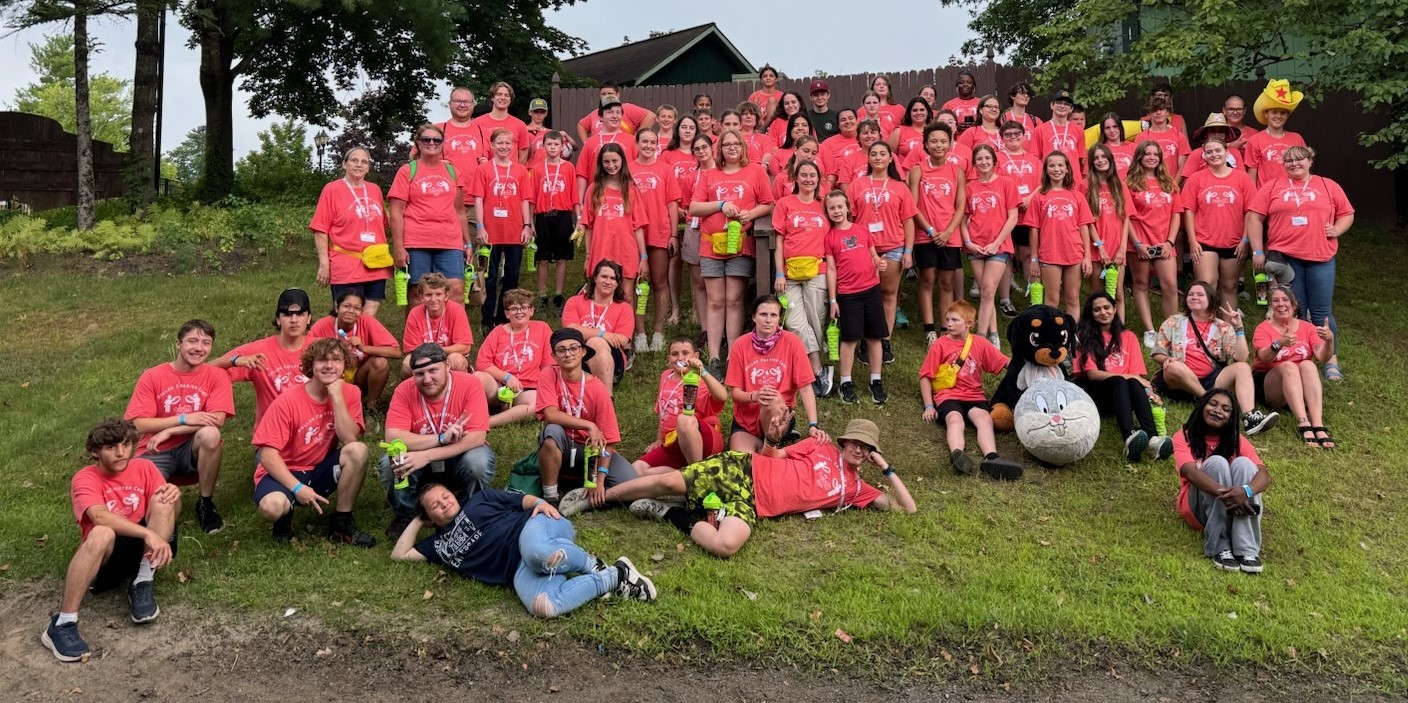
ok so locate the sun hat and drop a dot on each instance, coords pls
(863, 431)
(1277, 96)
(1214, 122)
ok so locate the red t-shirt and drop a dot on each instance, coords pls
(1127, 358)
(465, 148)
(785, 368)
(983, 358)
(781, 187)
(412, 412)
(1193, 354)
(555, 187)
(911, 139)
(849, 249)
(586, 161)
(887, 119)
(487, 123)
(812, 476)
(1025, 172)
(1124, 157)
(881, 207)
(353, 219)
(830, 153)
(989, 206)
(631, 118)
(162, 391)
(758, 144)
(975, 135)
(504, 189)
(1029, 124)
(581, 311)
(1109, 226)
(523, 354)
(938, 199)
(1067, 139)
(658, 188)
(302, 430)
(778, 131)
(585, 399)
(669, 399)
(686, 173)
(1183, 455)
(1297, 213)
(451, 328)
(368, 329)
(1173, 143)
(963, 109)
(761, 98)
(850, 168)
(1058, 216)
(746, 188)
(431, 221)
(127, 494)
(1264, 153)
(1303, 349)
(613, 229)
(283, 370)
(801, 228)
(1196, 164)
(1219, 206)
(1153, 213)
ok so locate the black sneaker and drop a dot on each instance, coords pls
(144, 607)
(1256, 421)
(1249, 564)
(208, 517)
(557, 301)
(1001, 469)
(342, 527)
(877, 391)
(1006, 308)
(961, 463)
(633, 585)
(398, 527)
(848, 393)
(1225, 561)
(716, 367)
(64, 641)
(283, 528)
(887, 354)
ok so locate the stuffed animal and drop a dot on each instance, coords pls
(1057, 422)
(1041, 339)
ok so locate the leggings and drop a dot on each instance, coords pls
(1124, 398)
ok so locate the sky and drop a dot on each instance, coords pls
(774, 32)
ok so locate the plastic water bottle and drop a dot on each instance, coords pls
(642, 295)
(1037, 292)
(589, 479)
(833, 341)
(691, 391)
(506, 395)
(1263, 288)
(470, 276)
(782, 299)
(1160, 420)
(735, 236)
(531, 255)
(402, 282)
(394, 450)
(484, 251)
(1112, 280)
(714, 508)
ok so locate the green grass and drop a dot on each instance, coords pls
(1064, 566)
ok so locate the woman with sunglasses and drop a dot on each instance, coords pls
(429, 232)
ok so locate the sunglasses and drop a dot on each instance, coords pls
(432, 140)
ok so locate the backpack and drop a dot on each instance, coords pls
(449, 167)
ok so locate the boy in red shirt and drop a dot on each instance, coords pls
(685, 438)
(296, 445)
(439, 321)
(127, 514)
(179, 408)
(272, 364)
(556, 206)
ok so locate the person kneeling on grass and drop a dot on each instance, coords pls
(726, 494)
(501, 538)
(967, 357)
(127, 514)
(685, 435)
(1221, 481)
(296, 445)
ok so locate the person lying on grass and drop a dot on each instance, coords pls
(127, 514)
(501, 538)
(725, 495)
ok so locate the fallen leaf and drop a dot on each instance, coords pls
(751, 595)
(74, 691)
(1232, 615)
(657, 557)
(1043, 518)
(974, 669)
(843, 636)
(679, 547)
(1292, 651)
(1363, 546)
(27, 484)
(815, 615)
(182, 577)
(948, 657)
(41, 541)
(4, 567)
(1232, 589)
(323, 652)
(428, 595)
(25, 384)
(289, 612)
(1290, 583)
(1148, 599)
(1043, 543)
(552, 689)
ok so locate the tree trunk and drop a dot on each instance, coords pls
(142, 148)
(215, 32)
(86, 185)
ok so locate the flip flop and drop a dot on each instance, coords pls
(1326, 442)
(1333, 373)
(1310, 441)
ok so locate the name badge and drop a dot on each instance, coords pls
(694, 222)
(500, 212)
(368, 237)
(877, 227)
(1023, 190)
(1300, 220)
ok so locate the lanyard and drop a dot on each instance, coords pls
(665, 399)
(841, 469)
(1065, 133)
(498, 188)
(884, 187)
(438, 427)
(362, 205)
(513, 349)
(438, 328)
(574, 410)
(1302, 191)
(554, 189)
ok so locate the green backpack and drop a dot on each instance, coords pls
(524, 478)
(448, 167)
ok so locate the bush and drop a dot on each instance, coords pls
(67, 216)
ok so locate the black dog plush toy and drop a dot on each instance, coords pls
(1042, 337)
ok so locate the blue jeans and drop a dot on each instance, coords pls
(512, 258)
(550, 552)
(447, 262)
(464, 475)
(1314, 286)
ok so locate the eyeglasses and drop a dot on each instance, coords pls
(520, 308)
(1234, 109)
(1011, 135)
(567, 351)
(461, 102)
(432, 140)
(358, 162)
(731, 145)
(991, 106)
(1294, 159)
(701, 147)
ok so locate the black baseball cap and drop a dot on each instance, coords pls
(1063, 96)
(293, 297)
(567, 334)
(427, 354)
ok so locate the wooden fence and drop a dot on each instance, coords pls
(39, 163)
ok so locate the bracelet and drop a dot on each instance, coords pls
(181, 419)
(601, 468)
(1258, 252)
(297, 487)
(1036, 260)
(929, 231)
(601, 332)
(907, 250)
(440, 438)
(928, 406)
(1248, 489)
(234, 360)
(507, 376)
(887, 473)
(704, 372)
(1245, 240)
(811, 425)
(1098, 243)
(779, 275)
(540, 502)
(1241, 333)
(1276, 345)
(721, 206)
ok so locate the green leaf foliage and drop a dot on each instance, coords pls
(52, 94)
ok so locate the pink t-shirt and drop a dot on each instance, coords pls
(850, 168)
(555, 187)
(963, 109)
(487, 123)
(658, 188)
(812, 476)
(353, 219)
(504, 189)
(613, 228)
(368, 329)
(669, 400)
(1153, 213)
(162, 391)
(465, 148)
(1067, 139)
(1109, 225)
(632, 116)
(430, 219)
(910, 140)
(282, 370)
(302, 430)
(1302, 350)
(801, 228)
(849, 249)
(1196, 163)
(524, 353)
(785, 368)
(938, 199)
(1173, 142)
(463, 396)
(1128, 357)
(983, 357)
(451, 328)
(1025, 171)
(586, 161)
(127, 494)
(1264, 153)
(989, 206)
(1297, 214)
(746, 188)
(882, 206)
(586, 399)
(1058, 216)
(1124, 157)
(617, 317)
(833, 150)
(1219, 206)
(1183, 455)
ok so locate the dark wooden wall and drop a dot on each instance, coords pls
(39, 163)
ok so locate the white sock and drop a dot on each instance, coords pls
(550, 491)
(875, 377)
(144, 572)
(66, 618)
(845, 380)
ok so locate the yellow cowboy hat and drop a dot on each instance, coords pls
(1277, 96)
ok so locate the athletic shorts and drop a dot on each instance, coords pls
(371, 291)
(554, 235)
(1001, 257)
(933, 256)
(740, 266)
(730, 477)
(1022, 235)
(322, 478)
(1222, 252)
(961, 407)
(689, 246)
(447, 262)
(125, 560)
(671, 456)
(179, 460)
(862, 315)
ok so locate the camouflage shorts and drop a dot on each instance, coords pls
(729, 476)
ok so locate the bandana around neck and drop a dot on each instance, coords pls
(763, 345)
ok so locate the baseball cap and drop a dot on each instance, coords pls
(427, 354)
(606, 102)
(1062, 95)
(291, 297)
(537, 104)
(820, 86)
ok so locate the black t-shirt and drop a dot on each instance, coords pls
(481, 543)
(824, 124)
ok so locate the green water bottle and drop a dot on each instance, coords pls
(691, 391)
(1263, 288)
(506, 395)
(1160, 420)
(714, 507)
(1112, 280)
(735, 236)
(782, 299)
(402, 283)
(589, 478)
(484, 251)
(642, 295)
(833, 341)
(394, 450)
(1037, 292)
(532, 255)
(470, 276)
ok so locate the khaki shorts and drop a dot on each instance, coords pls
(689, 246)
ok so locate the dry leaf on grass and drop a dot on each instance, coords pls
(843, 636)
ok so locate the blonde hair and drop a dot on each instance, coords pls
(743, 156)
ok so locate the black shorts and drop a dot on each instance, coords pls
(933, 256)
(1022, 235)
(554, 230)
(1259, 386)
(124, 561)
(618, 359)
(735, 427)
(371, 291)
(1222, 252)
(1208, 382)
(961, 407)
(862, 315)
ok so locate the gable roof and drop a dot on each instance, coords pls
(634, 63)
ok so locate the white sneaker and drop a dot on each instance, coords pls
(649, 507)
(634, 585)
(642, 343)
(825, 381)
(996, 340)
(930, 337)
(1150, 338)
(1160, 448)
(973, 290)
(657, 342)
(573, 502)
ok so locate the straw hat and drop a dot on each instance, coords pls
(1277, 96)
(1216, 122)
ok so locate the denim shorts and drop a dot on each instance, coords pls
(447, 262)
(896, 254)
(1001, 257)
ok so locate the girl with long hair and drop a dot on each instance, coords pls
(1109, 365)
(1110, 205)
(1061, 238)
(1154, 224)
(884, 206)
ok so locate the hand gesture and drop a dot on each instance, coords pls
(156, 550)
(777, 427)
(1289, 339)
(1232, 315)
(322, 273)
(545, 508)
(308, 496)
(335, 389)
(1323, 331)
(253, 361)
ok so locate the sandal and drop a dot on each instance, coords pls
(1333, 373)
(1326, 442)
(1312, 441)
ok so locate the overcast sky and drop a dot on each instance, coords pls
(905, 35)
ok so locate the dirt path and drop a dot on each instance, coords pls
(189, 654)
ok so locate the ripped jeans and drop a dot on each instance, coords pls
(556, 576)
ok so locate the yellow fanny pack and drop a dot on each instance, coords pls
(803, 268)
(946, 376)
(375, 256)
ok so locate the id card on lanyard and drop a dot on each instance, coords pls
(362, 205)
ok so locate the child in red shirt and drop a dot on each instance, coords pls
(1061, 222)
(512, 356)
(856, 298)
(370, 345)
(1220, 483)
(660, 196)
(684, 438)
(439, 321)
(556, 207)
(503, 201)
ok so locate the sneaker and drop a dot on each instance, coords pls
(208, 517)
(1225, 561)
(1134, 446)
(633, 584)
(649, 507)
(961, 463)
(398, 527)
(630, 363)
(1160, 448)
(911, 273)
(343, 528)
(657, 342)
(64, 641)
(973, 290)
(1005, 307)
(1001, 469)
(930, 337)
(1256, 422)
(995, 340)
(901, 320)
(716, 367)
(144, 607)
(877, 391)
(887, 354)
(1249, 564)
(848, 392)
(1017, 287)
(557, 301)
(543, 301)
(642, 343)
(826, 382)
(573, 502)
(283, 528)
(1150, 338)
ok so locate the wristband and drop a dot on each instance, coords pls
(1258, 252)
(1276, 346)
(929, 231)
(721, 206)
(540, 502)
(833, 301)
(1241, 333)
(1245, 240)
(780, 275)
(601, 468)
(601, 332)
(705, 372)
(887, 473)
(440, 438)
(1036, 260)
(297, 487)
(181, 419)
(1248, 489)
(928, 406)
(507, 376)
(1098, 243)
(907, 250)
(811, 425)
(234, 359)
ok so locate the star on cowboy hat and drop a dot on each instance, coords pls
(1277, 96)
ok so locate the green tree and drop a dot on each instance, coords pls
(281, 169)
(189, 157)
(52, 92)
